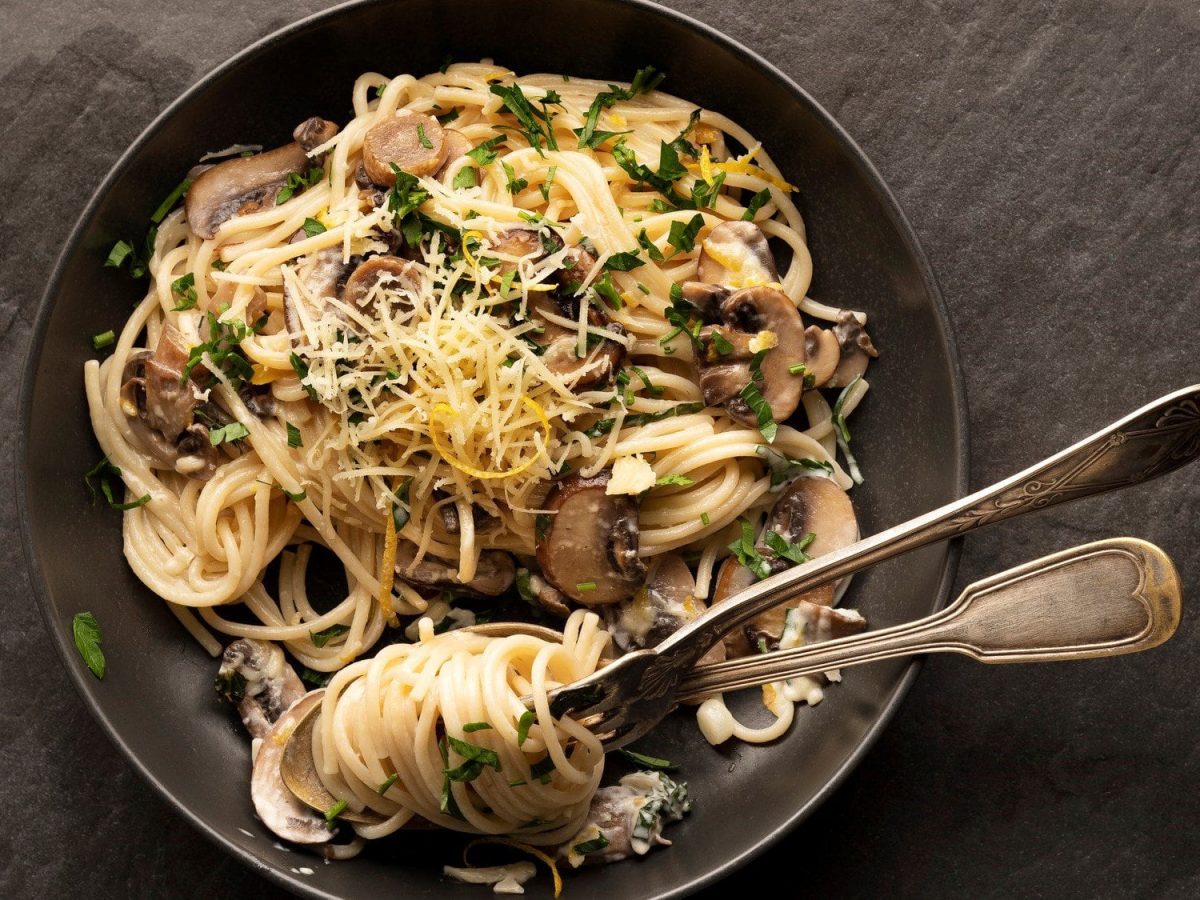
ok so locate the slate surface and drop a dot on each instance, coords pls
(1048, 158)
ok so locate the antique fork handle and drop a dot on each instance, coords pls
(1158, 438)
(1106, 598)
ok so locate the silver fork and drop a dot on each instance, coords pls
(626, 698)
(1106, 598)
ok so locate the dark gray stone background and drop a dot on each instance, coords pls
(1048, 158)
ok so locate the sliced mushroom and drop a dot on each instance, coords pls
(857, 349)
(664, 604)
(707, 298)
(814, 506)
(256, 678)
(535, 589)
(248, 184)
(578, 263)
(521, 243)
(413, 142)
(561, 345)
(494, 573)
(457, 146)
(587, 546)
(736, 254)
(391, 271)
(747, 314)
(312, 133)
(320, 275)
(821, 355)
(630, 817)
(482, 519)
(162, 410)
(278, 807)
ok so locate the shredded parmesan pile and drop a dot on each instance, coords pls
(446, 371)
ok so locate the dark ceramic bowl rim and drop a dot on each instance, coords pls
(64, 642)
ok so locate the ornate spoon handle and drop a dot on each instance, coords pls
(1157, 439)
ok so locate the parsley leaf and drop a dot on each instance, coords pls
(169, 201)
(515, 184)
(523, 725)
(535, 124)
(544, 187)
(755, 400)
(783, 469)
(300, 367)
(422, 138)
(683, 235)
(485, 153)
(86, 632)
(312, 227)
(595, 845)
(104, 339)
(102, 472)
(234, 431)
(223, 349)
(757, 202)
(476, 726)
(644, 80)
(464, 178)
(184, 290)
(321, 638)
(294, 439)
(650, 247)
(391, 779)
(623, 262)
(650, 762)
(784, 550)
(297, 182)
(747, 554)
(669, 480)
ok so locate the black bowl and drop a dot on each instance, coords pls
(156, 700)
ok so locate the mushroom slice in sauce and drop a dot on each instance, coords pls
(320, 275)
(312, 133)
(162, 411)
(629, 816)
(664, 604)
(736, 254)
(494, 573)
(278, 807)
(457, 146)
(391, 271)
(706, 298)
(857, 349)
(579, 373)
(257, 679)
(587, 546)
(814, 506)
(413, 142)
(746, 315)
(536, 590)
(246, 185)
(822, 353)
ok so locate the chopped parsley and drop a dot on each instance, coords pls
(755, 400)
(223, 349)
(300, 367)
(227, 434)
(485, 153)
(86, 632)
(294, 438)
(757, 202)
(646, 79)
(650, 762)
(683, 235)
(169, 201)
(623, 262)
(400, 507)
(783, 469)
(464, 178)
(650, 247)
(404, 197)
(515, 185)
(297, 182)
(524, 724)
(668, 480)
(595, 845)
(545, 186)
(423, 138)
(475, 759)
(721, 344)
(476, 726)
(321, 638)
(605, 288)
(704, 519)
(842, 433)
(785, 550)
(535, 124)
(542, 769)
(604, 426)
(312, 227)
(183, 289)
(585, 586)
(747, 554)
(102, 472)
(447, 117)
(316, 679)
(104, 339)
(333, 812)
(383, 788)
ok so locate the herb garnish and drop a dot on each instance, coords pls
(784, 469)
(169, 201)
(297, 182)
(475, 759)
(300, 367)
(333, 812)
(184, 290)
(842, 433)
(515, 185)
(391, 779)
(104, 339)
(644, 80)
(604, 426)
(227, 434)
(755, 400)
(524, 724)
(747, 554)
(86, 632)
(321, 638)
(102, 471)
(423, 138)
(223, 349)
(476, 726)
(403, 199)
(595, 845)
(669, 480)
(650, 247)
(400, 508)
(485, 153)
(294, 438)
(312, 227)
(683, 235)
(623, 262)
(784, 550)
(536, 125)
(544, 187)
(757, 202)
(650, 762)
(464, 178)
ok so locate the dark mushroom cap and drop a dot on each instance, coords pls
(494, 573)
(856, 346)
(821, 354)
(241, 185)
(392, 271)
(312, 133)
(413, 142)
(256, 678)
(457, 146)
(560, 345)
(591, 538)
(744, 314)
(707, 298)
(736, 254)
(321, 274)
